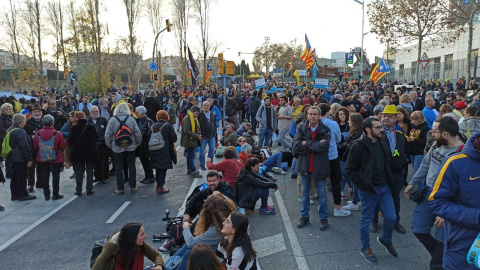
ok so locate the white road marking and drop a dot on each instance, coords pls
(118, 212)
(296, 248)
(269, 245)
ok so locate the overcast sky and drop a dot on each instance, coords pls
(242, 25)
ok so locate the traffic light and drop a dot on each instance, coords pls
(220, 63)
(155, 76)
(169, 26)
(238, 53)
(230, 68)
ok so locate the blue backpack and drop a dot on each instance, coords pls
(46, 150)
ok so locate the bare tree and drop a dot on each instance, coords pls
(55, 20)
(73, 29)
(155, 17)
(35, 10)
(12, 27)
(134, 10)
(202, 14)
(181, 10)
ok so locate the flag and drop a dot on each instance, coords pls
(310, 60)
(314, 71)
(307, 50)
(66, 70)
(376, 74)
(208, 73)
(291, 63)
(295, 74)
(193, 67)
(189, 70)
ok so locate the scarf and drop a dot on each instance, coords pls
(193, 120)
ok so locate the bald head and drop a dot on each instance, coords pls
(430, 102)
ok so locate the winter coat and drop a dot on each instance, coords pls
(172, 112)
(253, 105)
(32, 126)
(5, 123)
(208, 128)
(20, 144)
(419, 105)
(262, 116)
(247, 186)
(153, 106)
(201, 197)
(229, 169)
(100, 127)
(359, 167)
(303, 153)
(231, 107)
(60, 120)
(473, 125)
(83, 148)
(46, 134)
(160, 159)
(351, 138)
(112, 129)
(419, 134)
(189, 138)
(406, 106)
(454, 197)
(144, 124)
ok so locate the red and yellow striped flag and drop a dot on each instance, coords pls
(291, 63)
(376, 75)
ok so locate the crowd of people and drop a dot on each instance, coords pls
(359, 134)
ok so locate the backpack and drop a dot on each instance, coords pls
(156, 141)
(97, 250)
(123, 136)
(46, 150)
(6, 148)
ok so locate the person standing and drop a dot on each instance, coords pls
(84, 153)
(152, 105)
(20, 157)
(429, 112)
(285, 118)
(310, 145)
(33, 125)
(124, 152)
(144, 124)
(231, 110)
(253, 105)
(267, 119)
(368, 166)
(49, 145)
(208, 131)
(5, 123)
(59, 115)
(172, 111)
(100, 123)
(191, 138)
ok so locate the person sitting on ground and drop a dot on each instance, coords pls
(126, 250)
(208, 227)
(229, 166)
(471, 122)
(249, 137)
(202, 258)
(247, 127)
(251, 187)
(229, 139)
(269, 160)
(240, 141)
(245, 153)
(236, 248)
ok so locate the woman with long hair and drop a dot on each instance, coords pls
(417, 139)
(236, 248)
(203, 258)
(342, 117)
(126, 249)
(403, 120)
(471, 122)
(355, 123)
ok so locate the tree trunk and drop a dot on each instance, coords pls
(469, 52)
(39, 37)
(420, 39)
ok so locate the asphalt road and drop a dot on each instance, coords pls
(65, 240)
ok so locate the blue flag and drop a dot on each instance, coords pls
(314, 71)
(383, 67)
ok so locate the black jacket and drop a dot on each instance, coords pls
(153, 106)
(208, 129)
(245, 190)
(59, 120)
(100, 127)
(253, 105)
(351, 138)
(161, 159)
(21, 145)
(202, 196)
(418, 145)
(419, 105)
(359, 167)
(5, 123)
(321, 168)
(231, 107)
(32, 126)
(84, 148)
(398, 161)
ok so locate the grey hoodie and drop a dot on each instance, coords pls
(112, 128)
(407, 107)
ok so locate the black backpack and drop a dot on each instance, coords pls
(123, 136)
(97, 250)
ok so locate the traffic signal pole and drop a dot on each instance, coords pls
(168, 28)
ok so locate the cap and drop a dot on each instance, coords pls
(390, 109)
(460, 105)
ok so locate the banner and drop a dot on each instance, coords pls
(260, 83)
(302, 72)
(274, 89)
(321, 83)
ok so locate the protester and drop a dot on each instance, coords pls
(145, 125)
(59, 115)
(33, 125)
(5, 123)
(191, 138)
(208, 131)
(100, 123)
(229, 166)
(285, 118)
(202, 258)
(231, 108)
(267, 120)
(471, 122)
(417, 139)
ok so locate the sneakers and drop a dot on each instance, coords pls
(341, 213)
(359, 203)
(369, 256)
(134, 190)
(302, 222)
(344, 197)
(389, 247)
(267, 211)
(119, 191)
(300, 200)
(350, 207)
(323, 224)
(167, 247)
(278, 170)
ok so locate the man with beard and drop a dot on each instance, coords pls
(33, 125)
(445, 131)
(100, 171)
(59, 115)
(152, 105)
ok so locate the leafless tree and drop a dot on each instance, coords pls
(73, 29)
(12, 24)
(134, 10)
(202, 14)
(55, 21)
(181, 10)
(155, 17)
(34, 8)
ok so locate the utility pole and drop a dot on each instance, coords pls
(267, 39)
(168, 28)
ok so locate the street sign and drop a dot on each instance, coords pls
(349, 58)
(153, 66)
(302, 73)
(424, 61)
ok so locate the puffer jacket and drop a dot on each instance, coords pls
(359, 167)
(161, 159)
(5, 123)
(245, 191)
(46, 134)
(472, 123)
(454, 197)
(303, 153)
(112, 128)
(21, 145)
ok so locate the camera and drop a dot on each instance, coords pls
(173, 228)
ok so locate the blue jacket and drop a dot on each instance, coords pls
(429, 115)
(218, 113)
(455, 198)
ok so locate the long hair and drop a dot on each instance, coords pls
(203, 258)
(356, 120)
(126, 243)
(215, 210)
(345, 111)
(240, 238)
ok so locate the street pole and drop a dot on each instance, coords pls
(267, 39)
(153, 56)
(225, 91)
(363, 34)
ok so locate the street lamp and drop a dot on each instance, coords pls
(267, 39)
(363, 34)
(168, 28)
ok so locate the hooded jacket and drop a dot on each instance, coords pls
(247, 186)
(112, 128)
(472, 123)
(46, 134)
(454, 197)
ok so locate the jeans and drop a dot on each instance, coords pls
(262, 193)
(383, 198)
(211, 150)
(321, 192)
(294, 166)
(191, 160)
(80, 169)
(45, 177)
(416, 161)
(127, 157)
(345, 180)
(264, 137)
(184, 252)
(423, 220)
(286, 146)
(398, 179)
(160, 177)
(270, 162)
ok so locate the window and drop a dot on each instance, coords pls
(448, 62)
(401, 68)
(473, 56)
(414, 68)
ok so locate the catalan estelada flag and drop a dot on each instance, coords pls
(291, 63)
(308, 54)
(376, 74)
(189, 70)
(208, 73)
(310, 60)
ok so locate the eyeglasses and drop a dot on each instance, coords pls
(379, 127)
